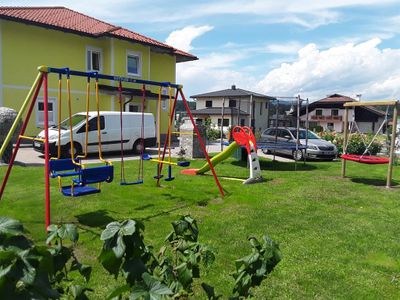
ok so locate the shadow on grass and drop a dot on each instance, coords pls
(280, 166)
(164, 212)
(99, 218)
(373, 181)
(143, 207)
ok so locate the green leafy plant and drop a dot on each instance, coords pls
(28, 271)
(357, 142)
(251, 270)
(171, 273)
(182, 265)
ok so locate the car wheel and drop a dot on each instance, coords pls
(138, 147)
(266, 151)
(77, 149)
(297, 155)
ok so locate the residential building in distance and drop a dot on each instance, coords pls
(329, 113)
(231, 107)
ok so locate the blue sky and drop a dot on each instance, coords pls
(283, 48)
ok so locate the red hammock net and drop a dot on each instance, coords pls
(365, 159)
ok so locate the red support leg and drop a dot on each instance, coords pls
(22, 132)
(203, 147)
(46, 148)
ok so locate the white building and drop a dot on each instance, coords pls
(329, 113)
(235, 106)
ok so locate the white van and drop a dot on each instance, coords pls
(110, 129)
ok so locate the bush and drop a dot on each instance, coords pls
(213, 134)
(356, 145)
(29, 271)
(317, 128)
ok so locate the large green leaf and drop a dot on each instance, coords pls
(111, 230)
(69, 231)
(4, 271)
(120, 247)
(10, 226)
(128, 227)
(110, 262)
(150, 289)
(185, 275)
(116, 293)
(133, 269)
(78, 292)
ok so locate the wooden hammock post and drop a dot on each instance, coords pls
(392, 146)
(345, 139)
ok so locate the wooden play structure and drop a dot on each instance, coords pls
(365, 158)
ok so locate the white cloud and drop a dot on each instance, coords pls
(348, 68)
(285, 48)
(213, 72)
(182, 38)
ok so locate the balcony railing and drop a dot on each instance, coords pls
(326, 118)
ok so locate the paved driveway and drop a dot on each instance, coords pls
(28, 157)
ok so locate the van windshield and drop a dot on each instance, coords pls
(76, 119)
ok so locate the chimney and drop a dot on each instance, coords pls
(233, 87)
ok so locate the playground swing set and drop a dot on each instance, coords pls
(83, 176)
(365, 158)
(139, 179)
(160, 160)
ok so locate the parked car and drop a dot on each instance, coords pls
(110, 129)
(317, 148)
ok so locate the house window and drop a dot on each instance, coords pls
(209, 103)
(52, 111)
(134, 63)
(94, 59)
(318, 112)
(226, 122)
(330, 126)
(261, 108)
(334, 112)
(232, 103)
(242, 122)
(132, 107)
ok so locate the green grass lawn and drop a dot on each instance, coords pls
(339, 237)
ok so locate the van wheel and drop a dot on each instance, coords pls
(297, 155)
(138, 147)
(77, 148)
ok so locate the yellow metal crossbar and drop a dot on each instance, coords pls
(183, 132)
(31, 138)
(163, 162)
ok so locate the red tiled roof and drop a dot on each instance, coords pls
(62, 18)
(336, 98)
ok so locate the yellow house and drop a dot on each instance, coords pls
(59, 37)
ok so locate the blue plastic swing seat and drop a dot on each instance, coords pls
(79, 190)
(131, 183)
(89, 176)
(64, 168)
(183, 163)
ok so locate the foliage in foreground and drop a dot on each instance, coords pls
(28, 271)
(149, 276)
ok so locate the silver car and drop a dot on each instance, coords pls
(317, 148)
